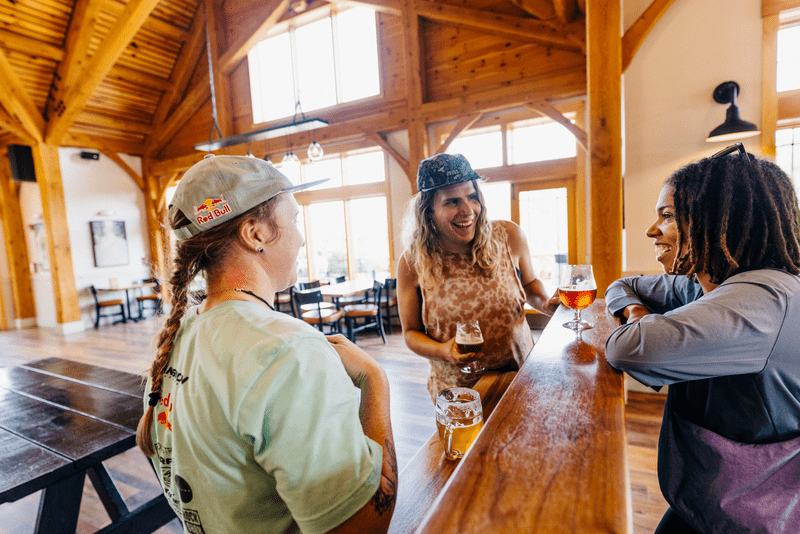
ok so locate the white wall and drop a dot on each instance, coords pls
(90, 187)
(669, 109)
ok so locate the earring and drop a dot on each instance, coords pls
(261, 250)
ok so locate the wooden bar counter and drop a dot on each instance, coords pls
(551, 457)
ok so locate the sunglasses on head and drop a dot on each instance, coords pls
(736, 147)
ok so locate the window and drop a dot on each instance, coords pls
(344, 235)
(543, 218)
(788, 58)
(483, 147)
(539, 140)
(319, 63)
(787, 153)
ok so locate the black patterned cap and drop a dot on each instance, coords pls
(444, 169)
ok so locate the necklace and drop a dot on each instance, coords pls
(243, 291)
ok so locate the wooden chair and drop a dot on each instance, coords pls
(310, 304)
(370, 312)
(151, 299)
(389, 301)
(311, 285)
(284, 298)
(100, 305)
(346, 301)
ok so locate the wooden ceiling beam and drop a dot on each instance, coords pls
(102, 144)
(113, 156)
(566, 10)
(270, 15)
(192, 101)
(547, 109)
(636, 34)
(181, 74)
(13, 126)
(390, 7)
(464, 123)
(381, 141)
(15, 99)
(70, 69)
(101, 63)
(521, 29)
(541, 9)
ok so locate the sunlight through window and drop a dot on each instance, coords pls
(789, 59)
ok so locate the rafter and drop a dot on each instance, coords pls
(390, 7)
(565, 10)
(192, 101)
(463, 123)
(17, 101)
(541, 9)
(76, 95)
(522, 29)
(14, 127)
(546, 109)
(381, 141)
(113, 156)
(270, 14)
(181, 74)
(636, 34)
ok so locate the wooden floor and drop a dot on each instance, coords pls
(128, 347)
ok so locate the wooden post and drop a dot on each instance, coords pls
(418, 142)
(152, 196)
(16, 249)
(604, 79)
(769, 83)
(48, 175)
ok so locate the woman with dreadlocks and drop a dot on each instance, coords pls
(721, 329)
(252, 419)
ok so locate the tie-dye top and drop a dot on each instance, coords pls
(497, 302)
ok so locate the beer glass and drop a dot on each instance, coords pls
(469, 340)
(459, 418)
(577, 290)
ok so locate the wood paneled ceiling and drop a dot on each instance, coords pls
(114, 75)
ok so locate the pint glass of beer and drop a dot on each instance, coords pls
(459, 418)
(469, 340)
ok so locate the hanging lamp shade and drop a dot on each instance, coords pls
(734, 127)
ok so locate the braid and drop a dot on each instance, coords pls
(200, 253)
(735, 214)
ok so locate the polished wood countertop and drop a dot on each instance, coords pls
(551, 457)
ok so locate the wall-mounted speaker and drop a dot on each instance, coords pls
(21, 159)
(90, 155)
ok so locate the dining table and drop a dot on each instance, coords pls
(551, 456)
(127, 288)
(348, 288)
(59, 421)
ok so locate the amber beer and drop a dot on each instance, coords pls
(459, 419)
(577, 299)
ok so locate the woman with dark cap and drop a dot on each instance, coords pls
(252, 419)
(721, 329)
(460, 266)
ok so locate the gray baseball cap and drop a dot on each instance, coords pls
(220, 188)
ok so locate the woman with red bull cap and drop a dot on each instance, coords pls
(251, 418)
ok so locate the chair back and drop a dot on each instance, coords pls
(340, 279)
(308, 296)
(377, 289)
(390, 284)
(309, 285)
(94, 294)
(155, 283)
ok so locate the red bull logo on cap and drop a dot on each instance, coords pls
(210, 209)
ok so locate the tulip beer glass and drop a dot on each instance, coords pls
(469, 339)
(577, 291)
(459, 418)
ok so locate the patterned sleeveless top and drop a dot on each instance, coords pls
(496, 302)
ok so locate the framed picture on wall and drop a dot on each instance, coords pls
(110, 243)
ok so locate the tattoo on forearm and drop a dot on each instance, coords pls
(384, 497)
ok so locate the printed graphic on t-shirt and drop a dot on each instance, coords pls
(179, 494)
(163, 416)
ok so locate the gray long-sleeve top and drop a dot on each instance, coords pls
(731, 358)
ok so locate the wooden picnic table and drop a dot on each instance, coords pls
(551, 456)
(59, 421)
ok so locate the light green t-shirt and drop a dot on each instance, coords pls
(258, 429)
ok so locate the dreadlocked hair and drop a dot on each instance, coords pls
(423, 243)
(736, 213)
(199, 253)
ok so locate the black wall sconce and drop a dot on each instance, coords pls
(733, 127)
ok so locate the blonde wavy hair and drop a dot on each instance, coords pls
(423, 243)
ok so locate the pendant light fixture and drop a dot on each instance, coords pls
(734, 127)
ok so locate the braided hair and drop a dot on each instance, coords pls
(734, 214)
(200, 253)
